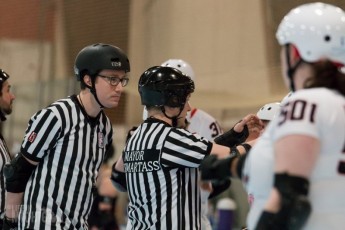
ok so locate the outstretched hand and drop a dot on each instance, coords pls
(254, 124)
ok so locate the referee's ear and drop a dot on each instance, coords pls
(87, 80)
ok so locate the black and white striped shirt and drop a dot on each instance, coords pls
(4, 158)
(70, 147)
(161, 165)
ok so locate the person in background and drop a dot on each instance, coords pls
(254, 163)
(6, 100)
(199, 121)
(52, 180)
(258, 162)
(268, 112)
(102, 215)
(265, 114)
(301, 152)
(307, 139)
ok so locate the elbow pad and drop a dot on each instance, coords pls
(295, 207)
(119, 180)
(215, 169)
(17, 174)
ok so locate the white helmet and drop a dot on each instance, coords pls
(317, 30)
(268, 111)
(182, 65)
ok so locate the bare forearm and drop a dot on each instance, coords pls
(13, 202)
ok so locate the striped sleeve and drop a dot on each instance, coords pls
(42, 134)
(183, 149)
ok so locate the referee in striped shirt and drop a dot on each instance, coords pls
(53, 177)
(6, 99)
(159, 164)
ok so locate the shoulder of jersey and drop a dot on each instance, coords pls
(203, 115)
(313, 95)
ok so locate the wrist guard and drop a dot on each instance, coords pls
(119, 179)
(10, 224)
(246, 146)
(232, 138)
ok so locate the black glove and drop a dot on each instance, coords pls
(106, 217)
(9, 224)
(214, 169)
(218, 187)
(232, 138)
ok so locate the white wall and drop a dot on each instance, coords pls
(223, 40)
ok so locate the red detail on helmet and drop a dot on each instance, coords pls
(192, 112)
(295, 52)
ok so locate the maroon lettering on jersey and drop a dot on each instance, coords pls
(100, 140)
(32, 137)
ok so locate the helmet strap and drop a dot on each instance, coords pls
(93, 90)
(291, 69)
(173, 119)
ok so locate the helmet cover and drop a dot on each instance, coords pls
(268, 111)
(181, 65)
(94, 58)
(317, 30)
(159, 86)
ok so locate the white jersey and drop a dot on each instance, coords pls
(319, 113)
(203, 124)
(258, 175)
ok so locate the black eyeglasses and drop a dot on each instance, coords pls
(114, 81)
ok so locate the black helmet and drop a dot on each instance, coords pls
(97, 57)
(159, 86)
